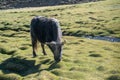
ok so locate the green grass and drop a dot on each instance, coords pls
(96, 18)
(83, 59)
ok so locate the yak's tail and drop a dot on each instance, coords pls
(34, 42)
(34, 23)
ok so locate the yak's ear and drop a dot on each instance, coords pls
(64, 41)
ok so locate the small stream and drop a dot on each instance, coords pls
(111, 39)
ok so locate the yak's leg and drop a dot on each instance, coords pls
(43, 49)
(34, 46)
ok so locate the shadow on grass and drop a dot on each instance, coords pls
(114, 77)
(24, 67)
(4, 51)
(95, 55)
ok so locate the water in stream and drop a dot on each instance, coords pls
(111, 39)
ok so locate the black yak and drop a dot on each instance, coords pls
(47, 31)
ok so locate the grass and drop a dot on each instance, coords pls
(83, 59)
(95, 18)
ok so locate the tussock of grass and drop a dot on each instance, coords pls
(114, 77)
(23, 48)
(101, 68)
(45, 75)
(9, 77)
(95, 55)
(4, 51)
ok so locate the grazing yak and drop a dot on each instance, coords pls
(47, 31)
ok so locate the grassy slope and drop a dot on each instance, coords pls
(95, 18)
(83, 59)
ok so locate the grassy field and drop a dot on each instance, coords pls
(83, 59)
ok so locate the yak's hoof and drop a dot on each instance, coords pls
(57, 60)
(45, 54)
(34, 56)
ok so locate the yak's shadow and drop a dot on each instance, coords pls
(24, 67)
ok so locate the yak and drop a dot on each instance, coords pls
(47, 31)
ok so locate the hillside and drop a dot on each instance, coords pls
(7, 4)
(82, 59)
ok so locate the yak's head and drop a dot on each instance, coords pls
(56, 48)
